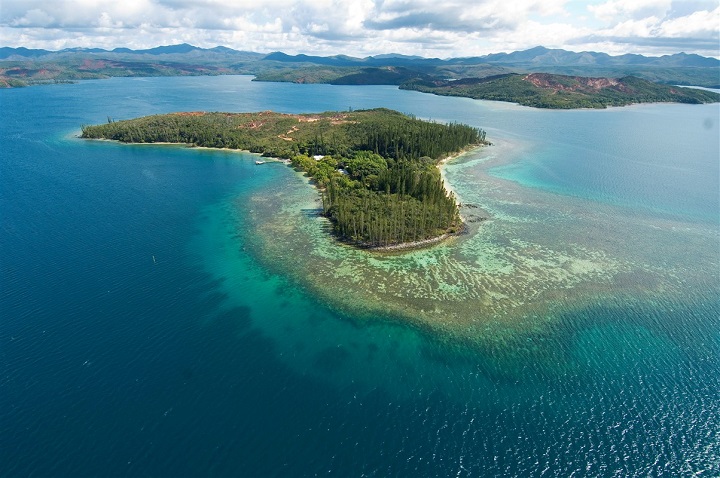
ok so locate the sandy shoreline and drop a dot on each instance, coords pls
(405, 246)
(449, 189)
(170, 143)
(446, 184)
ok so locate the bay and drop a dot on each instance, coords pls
(168, 311)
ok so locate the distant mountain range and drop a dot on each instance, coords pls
(21, 53)
(534, 57)
(543, 56)
(24, 66)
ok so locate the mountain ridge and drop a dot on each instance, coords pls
(24, 66)
(538, 55)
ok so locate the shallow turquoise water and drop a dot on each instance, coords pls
(146, 330)
(662, 158)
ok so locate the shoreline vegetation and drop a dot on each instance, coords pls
(538, 77)
(544, 90)
(377, 171)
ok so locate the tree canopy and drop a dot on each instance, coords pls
(543, 90)
(376, 168)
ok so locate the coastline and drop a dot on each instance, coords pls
(444, 161)
(404, 246)
(503, 277)
(446, 183)
(168, 143)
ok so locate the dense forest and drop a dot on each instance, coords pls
(543, 90)
(343, 75)
(376, 169)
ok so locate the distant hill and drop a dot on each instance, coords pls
(184, 48)
(166, 50)
(22, 52)
(534, 57)
(316, 60)
(24, 66)
(344, 60)
(541, 56)
(544, 90)
(343, 75)
(678, 69)
(538, 56)
(396, 55)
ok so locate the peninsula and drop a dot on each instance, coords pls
(545, 90)
(376, 169)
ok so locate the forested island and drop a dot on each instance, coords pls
(376, 169)
(544, 90)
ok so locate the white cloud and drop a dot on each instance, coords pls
(364, 27)
(696, 32)
(33, 18)
(614, 10)
(557, 35)
(702, 23)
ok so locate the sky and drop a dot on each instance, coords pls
(429, 28)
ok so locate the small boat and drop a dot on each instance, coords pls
(259, 162)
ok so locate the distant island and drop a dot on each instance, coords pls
(538, 77)
(544, 90)
(376, 169)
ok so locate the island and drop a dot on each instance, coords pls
(376, 169)
(545, 90)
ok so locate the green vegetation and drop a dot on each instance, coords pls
(376, 168)
(681, 76)
(22, 67)
(308, 74)
(27, 73)
(543, 90)
(343, 75)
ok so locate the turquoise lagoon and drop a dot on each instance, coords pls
(169, 311)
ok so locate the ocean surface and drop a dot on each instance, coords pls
(166, 311)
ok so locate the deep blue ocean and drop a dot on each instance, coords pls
(147, 330)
